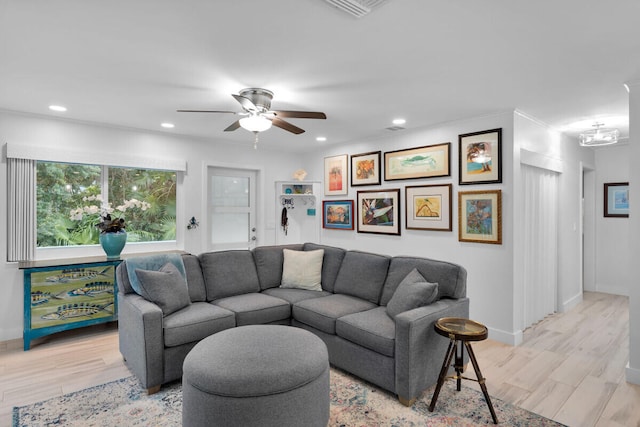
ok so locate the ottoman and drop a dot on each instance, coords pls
(259, 375)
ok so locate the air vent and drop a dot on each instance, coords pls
(357, 8)
(395, 128)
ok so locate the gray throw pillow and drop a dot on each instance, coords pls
(165, 287)
(414, 291)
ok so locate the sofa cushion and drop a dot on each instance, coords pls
(372, 329)
(294, 295)
(302, 269)
(451, 278)
(362, 275)
(195, 322)
(269, 260)
(165, 287)
(195, 281)
(414, 291)
(229, 273)
(322, 313)
(256, 308)
(151, 262)
(330, 263)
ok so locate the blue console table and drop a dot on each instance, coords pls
(67, 294)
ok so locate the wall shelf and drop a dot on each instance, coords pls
(299, 199)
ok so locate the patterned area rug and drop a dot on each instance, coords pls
(353, 403)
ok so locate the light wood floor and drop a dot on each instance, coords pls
(570, 367)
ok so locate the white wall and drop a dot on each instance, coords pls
(45, 132)
(489, 267)
(492, 286)
(612, 254)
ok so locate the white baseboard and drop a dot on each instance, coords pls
(632, 375)
(510, 338)
(568, 305)
(615, 290)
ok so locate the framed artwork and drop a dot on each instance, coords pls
(616, 200)
(365, 169)
(480, 157)
(421, 162)
(379, 211)
(480, 216)
(428, 207)
(335, 175)
(337, 214)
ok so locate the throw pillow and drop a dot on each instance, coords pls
(165, 287)
(302, 269)
(414, 291)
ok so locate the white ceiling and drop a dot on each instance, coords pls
(133, 63)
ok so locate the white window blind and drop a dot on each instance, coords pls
(21, 209)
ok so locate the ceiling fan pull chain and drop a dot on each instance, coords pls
(255, 141)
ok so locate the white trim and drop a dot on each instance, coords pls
(571, 303)
(538, 160)
(510, 338)
(632, 375)
(93, 157)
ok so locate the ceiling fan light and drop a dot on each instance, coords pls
(598, 137)
(255, 123)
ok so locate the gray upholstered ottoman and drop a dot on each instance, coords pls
(261, 375)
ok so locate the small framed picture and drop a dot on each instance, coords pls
(337, 214)
(335, 175)
(428, 207)
(480, 157)
(365, 169)
(421, 162)
(480, 216)
(616, 200)
(379, 211)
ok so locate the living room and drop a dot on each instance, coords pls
(496, 272)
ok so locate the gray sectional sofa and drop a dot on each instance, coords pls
(398, 351)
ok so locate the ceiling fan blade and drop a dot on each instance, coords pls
(246, 103)
(233, 126)
(287, 126)
(205, 111)
(301, 114)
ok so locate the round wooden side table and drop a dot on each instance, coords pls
(461, 332)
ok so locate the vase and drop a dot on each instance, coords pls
(113, 243)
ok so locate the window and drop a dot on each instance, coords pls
(64, 189)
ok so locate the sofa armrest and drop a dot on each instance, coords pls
(141, 338)
(419, 350)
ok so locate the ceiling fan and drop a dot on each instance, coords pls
(258, 117)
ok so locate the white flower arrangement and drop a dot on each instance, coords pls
(107, 224)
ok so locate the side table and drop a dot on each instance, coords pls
(461, 332)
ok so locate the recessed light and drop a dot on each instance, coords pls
(168, 125)
(58, 108)
(399, 121)
(321, 138)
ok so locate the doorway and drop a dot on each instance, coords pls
(231, 208)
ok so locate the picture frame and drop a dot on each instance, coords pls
(337, 214)
(480, 157)
(335, 175)
(616, 200)
(429, 161)
(480, 216)
(379, 211)
(428, 207)
(365, 168)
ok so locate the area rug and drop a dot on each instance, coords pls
(353, 403)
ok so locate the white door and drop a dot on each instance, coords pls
(231, 208)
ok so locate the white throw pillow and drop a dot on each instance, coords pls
(302, 269)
